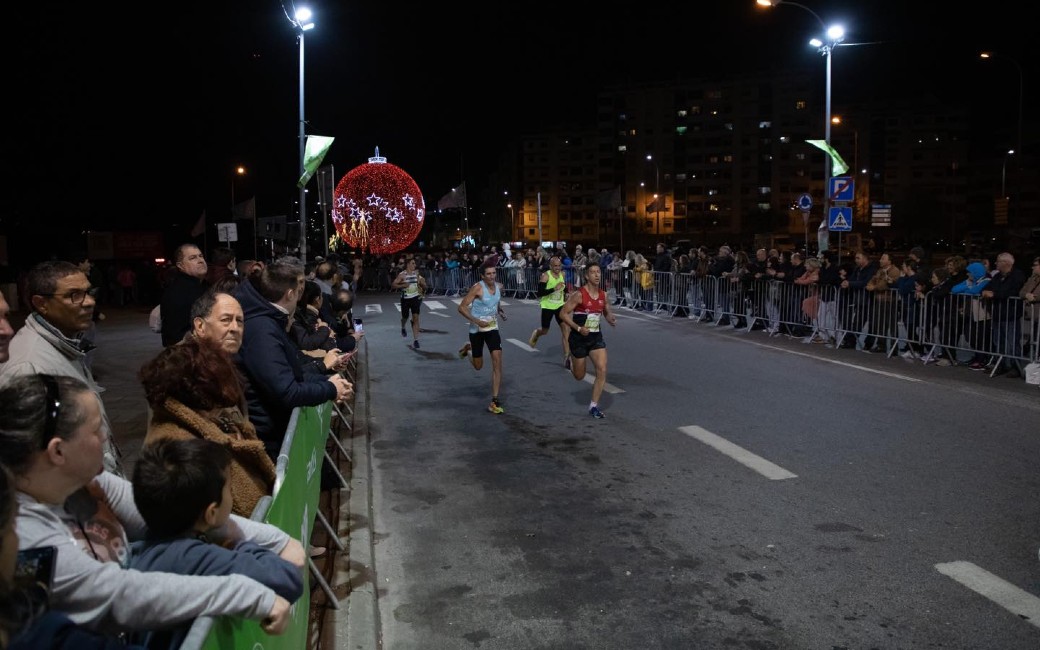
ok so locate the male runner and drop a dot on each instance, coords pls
(551, 286)
(482, 309)
(413, 288)
(583, 312)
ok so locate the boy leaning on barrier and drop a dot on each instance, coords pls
(182, 491)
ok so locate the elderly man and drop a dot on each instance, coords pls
(51, 341)
(1002, 292)
(187, 283)
(218, 317)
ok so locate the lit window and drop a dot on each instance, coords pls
(764, 190)
(765, 124)
(622, 148)
(680, 130)
(785, 140)
(800, 105)
(682, 112)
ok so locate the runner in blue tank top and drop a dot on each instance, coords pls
(481, 307)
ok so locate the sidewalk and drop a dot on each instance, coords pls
(124, 343)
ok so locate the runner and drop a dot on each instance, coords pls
(413, 287)
(551, 286)
(583, 312)
(482, 309)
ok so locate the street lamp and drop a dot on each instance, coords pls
(302, 22)
(512, 223)
(1003, 174)
(239, 171)
(1018, 66)
(835, 35)
(657, 192)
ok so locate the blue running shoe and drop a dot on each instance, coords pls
(596, 413)
(416, 344)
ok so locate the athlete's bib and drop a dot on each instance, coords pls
(492, 324)
(592, 323)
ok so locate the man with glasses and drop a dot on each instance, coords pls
(51, 341)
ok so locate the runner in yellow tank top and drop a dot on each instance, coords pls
(552, 286)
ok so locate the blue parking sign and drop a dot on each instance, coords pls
(842, 189)
(840, 220)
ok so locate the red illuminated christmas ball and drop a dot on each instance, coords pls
(378, 207)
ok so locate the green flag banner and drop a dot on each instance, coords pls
(313, 153)
(838, 165)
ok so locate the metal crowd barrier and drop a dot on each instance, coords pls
(959, 328)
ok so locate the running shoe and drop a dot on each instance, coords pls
(495, 407)
(596, 413)
(567, 362)
(533, 341)
(403, 333)
(464, 351)
(416, 345)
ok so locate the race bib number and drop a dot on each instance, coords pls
(492, 324)
(592, 322)
(557, 294)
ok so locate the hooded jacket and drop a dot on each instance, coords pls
(275, 380)
(977, 280)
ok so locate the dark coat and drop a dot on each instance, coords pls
(175, 306)
(270, 362)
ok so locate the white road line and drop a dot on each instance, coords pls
(1017, 601)
(522, 345)
(437, 313)
(607, 386)
(738, 453)
(854, 366)
(375, 309)
(432, 304)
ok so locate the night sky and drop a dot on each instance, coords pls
(136, 118)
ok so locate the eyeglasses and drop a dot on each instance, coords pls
(76, 296)
(50, 422)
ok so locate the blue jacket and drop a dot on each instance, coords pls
(197, 557)
(275, 380)
(977, 280)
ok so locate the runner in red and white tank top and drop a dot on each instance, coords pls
(584, 312)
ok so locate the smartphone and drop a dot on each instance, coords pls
(358, 327)
(35, 566)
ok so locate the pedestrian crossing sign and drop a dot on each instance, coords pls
(840, 220)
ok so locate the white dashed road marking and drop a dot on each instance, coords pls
(1015, 600)
(738, 453)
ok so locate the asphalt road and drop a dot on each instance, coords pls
(742, 492)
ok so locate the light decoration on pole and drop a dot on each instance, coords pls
(378, 207)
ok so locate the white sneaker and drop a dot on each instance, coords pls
(908, 355)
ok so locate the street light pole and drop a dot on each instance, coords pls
(834, 35)
(657, 193)
(1021, 83)
(1003, 174)
(302, 23)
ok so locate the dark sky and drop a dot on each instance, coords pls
(136, 117)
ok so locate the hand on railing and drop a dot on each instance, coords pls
(278, 618)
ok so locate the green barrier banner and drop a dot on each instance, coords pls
(292, 510)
